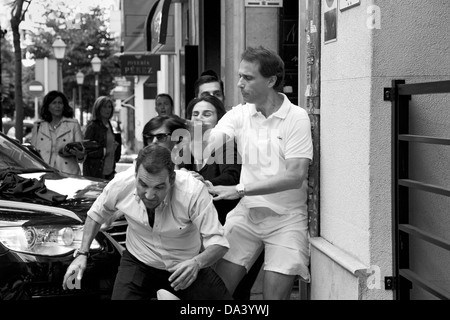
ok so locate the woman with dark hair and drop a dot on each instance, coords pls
(101, 163)
(169, 132)
(159, 130)
(55, 130)
(222, 167)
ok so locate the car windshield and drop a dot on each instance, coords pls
(13, 157)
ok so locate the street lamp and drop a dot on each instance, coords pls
(59, 49)
(80, 80)
(96, 65)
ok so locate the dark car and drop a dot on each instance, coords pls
(42, 213)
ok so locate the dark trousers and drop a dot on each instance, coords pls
(137, 281)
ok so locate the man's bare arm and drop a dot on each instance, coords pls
(90, 230)
(185, 273)
(296, 172)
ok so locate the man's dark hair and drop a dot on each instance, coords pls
(172, 123)
(270, 63)
(155, 159)
(207, 77)
(210, 72)
(49, 97)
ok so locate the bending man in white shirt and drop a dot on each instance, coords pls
(173, 234)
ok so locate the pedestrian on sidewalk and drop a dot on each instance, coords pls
(209, 84)
(101, 163)
(54, 131)
(164, 104)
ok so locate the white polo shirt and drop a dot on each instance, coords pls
(264, 145)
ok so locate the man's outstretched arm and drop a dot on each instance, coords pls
(296, 172)
(90, 230)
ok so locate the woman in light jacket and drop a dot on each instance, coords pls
(55, 130)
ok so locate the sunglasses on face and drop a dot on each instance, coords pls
(162, 137)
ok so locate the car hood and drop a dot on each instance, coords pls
(81, 192)
(19, 214)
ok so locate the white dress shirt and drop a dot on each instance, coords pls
(185, 222)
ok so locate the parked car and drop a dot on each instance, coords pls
(42, 213)
(10, 130)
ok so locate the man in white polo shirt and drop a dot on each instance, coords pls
(274, 140)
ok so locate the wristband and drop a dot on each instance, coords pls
(240, 189)
(79, 252)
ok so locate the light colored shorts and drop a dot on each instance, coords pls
(285, 239)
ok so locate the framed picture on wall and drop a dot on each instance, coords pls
(330, 20)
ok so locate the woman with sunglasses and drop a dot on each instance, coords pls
(167, 131)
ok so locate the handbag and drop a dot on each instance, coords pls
(90, 146)
(85, 146)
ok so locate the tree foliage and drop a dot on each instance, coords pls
(85, 34)
(7, 67)
(8, 83)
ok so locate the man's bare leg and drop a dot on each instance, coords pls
(277, 286)
(230, 273)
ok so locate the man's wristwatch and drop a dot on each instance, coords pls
(240, 189)
(79, 252)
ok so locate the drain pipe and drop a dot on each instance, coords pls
(312, 94)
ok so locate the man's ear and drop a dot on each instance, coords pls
(272, 81)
